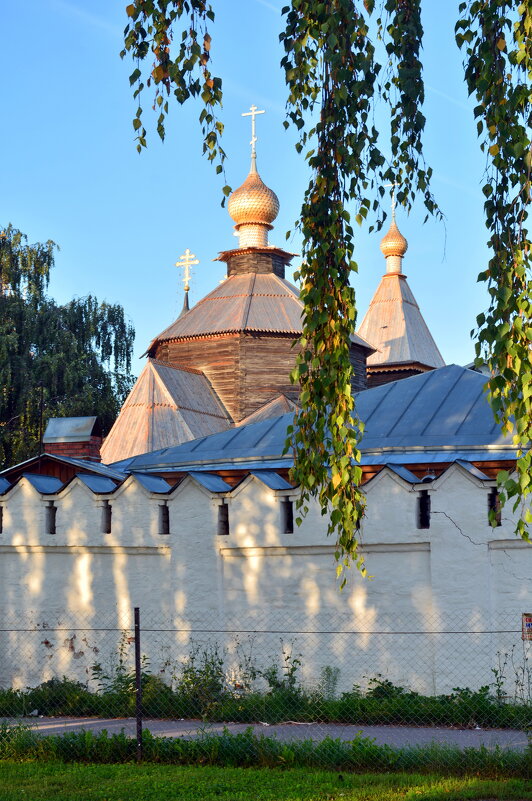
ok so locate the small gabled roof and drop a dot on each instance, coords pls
(46, 485)
(472, 469)
(167, 406)
(272, 479)
(84, 465)
(403, 472)
(210, 481)
(97, 484)
(154, 484)
(274, 408)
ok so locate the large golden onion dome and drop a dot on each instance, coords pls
(394, 243)
(253, 203)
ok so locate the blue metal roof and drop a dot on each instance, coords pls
(442, 408)
(473, 470)
(213, 483)
(153, 483)
(272, 479)
(4, 485)
(46, 485)
(257, 441)
(94, 467)
(439, 416)
(404, 473)
(100, 484)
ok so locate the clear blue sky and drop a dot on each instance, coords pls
(70, 171)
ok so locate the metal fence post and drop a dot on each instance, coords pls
(138, 684)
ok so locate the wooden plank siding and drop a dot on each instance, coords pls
(218, 357)
(247, 370)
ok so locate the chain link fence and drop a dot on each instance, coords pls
(453, 682)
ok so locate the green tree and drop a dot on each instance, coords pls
(335, 78)
(74, 358)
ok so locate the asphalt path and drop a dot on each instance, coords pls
(398, 736)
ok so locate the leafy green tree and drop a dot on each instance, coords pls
(335, 79)
(72, 359)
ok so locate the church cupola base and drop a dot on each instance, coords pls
(376, 378)
(267, 260)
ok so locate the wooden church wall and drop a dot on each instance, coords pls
(247, 370)
(218, 357)
(265, 366)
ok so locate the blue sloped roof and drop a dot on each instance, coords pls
(272, 479)
(4, 485)
(404, 473)
(153, 483)
(100, 484)
(473, 470)
(213, 483)
(94, 467)
(438, 416)
(46, 485)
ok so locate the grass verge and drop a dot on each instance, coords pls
(73, 782)
(249, 750)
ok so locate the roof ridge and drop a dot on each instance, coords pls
(247, 306)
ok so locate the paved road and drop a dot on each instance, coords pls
(390, 735)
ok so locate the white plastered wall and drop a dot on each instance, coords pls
(460, 575)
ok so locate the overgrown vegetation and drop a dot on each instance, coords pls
(249, 750)
(203, 686)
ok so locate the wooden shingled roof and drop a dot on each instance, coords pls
(395, 326)
(167, 406)
(253, 302)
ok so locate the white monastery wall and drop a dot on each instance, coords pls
(459, 575)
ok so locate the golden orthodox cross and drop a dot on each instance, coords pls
(253, 111)
(394, 202)
(188, 259)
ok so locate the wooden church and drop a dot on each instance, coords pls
(227, 361)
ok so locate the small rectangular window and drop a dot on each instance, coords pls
(494, 507)
(223, 519)
(1, 519)
(107, 514)
(50, 517)
(287, 516)
(423, 509)
(164, 519)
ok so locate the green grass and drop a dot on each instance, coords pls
(131, 782)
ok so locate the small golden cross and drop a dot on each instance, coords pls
(394, 202)
(187, 260)
(253, 111)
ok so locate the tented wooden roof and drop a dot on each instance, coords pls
(247, 302)
(395, 326)
(167, 406)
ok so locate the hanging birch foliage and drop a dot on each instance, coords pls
(335, 82)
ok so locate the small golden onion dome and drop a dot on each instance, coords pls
(394, 243)
(253, 202)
